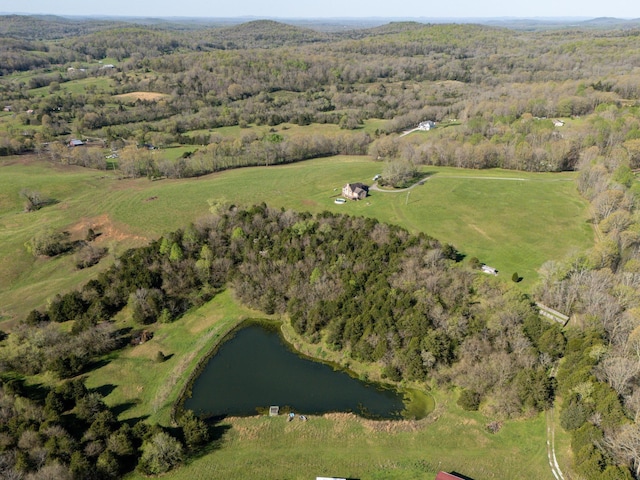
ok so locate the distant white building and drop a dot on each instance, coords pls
(558, 123)
(426, 125)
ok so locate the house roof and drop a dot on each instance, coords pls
(447, 476)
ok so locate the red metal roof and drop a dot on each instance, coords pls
(447, 476)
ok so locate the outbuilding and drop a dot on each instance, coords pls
(489, 270)
(448, 476)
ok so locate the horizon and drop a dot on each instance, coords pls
(334, 9)
(371, 17)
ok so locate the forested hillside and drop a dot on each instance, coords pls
(266, 93)
(498, 89)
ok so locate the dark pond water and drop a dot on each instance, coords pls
(255, 369)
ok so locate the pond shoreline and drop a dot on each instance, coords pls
(418, 403)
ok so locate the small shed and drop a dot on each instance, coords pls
(274, 410)
(489, 270)
(76, 143)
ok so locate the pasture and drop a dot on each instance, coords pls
(512, 221)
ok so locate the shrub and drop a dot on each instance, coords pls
(48, 243)
(469, 400)
(195, 430)
(160, 454)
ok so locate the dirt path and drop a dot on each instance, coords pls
(376, 188)
(551, 447)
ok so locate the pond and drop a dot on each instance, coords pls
(255, 369)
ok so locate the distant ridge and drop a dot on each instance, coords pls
(310, 29)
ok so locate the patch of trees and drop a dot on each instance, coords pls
(378, 295)
(599, 379)
(51, 243)
(68, 432)
(223, 154)
(367, 289)
(35, 200)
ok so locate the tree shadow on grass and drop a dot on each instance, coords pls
(133, 421)
(123, 407)
(96, 364)
(104, 390)
(216, 437)
(35, 391)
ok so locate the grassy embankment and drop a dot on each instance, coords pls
(346, 446)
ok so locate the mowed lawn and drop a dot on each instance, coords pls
(513, 221)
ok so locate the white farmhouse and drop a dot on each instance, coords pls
(426, 125)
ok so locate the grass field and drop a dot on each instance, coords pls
(511, 220)
(345, 446)
(291, 130)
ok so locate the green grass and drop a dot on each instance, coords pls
(142, 387)
(78, 86)
(513, 225)
(288, 130)
(175, 152)
(346, 446)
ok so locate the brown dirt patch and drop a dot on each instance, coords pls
(150, 96)
(105, 227)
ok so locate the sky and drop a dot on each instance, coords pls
(330, 8)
